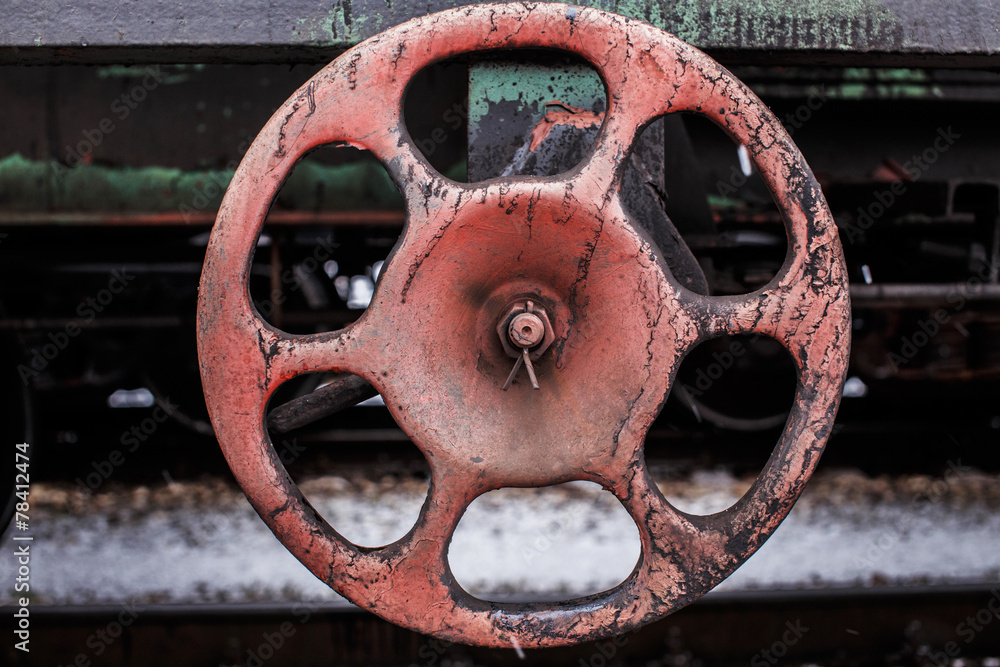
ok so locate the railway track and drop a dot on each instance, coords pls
(919, 625)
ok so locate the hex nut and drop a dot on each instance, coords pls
(516, 309)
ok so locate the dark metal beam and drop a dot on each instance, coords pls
(848, 625)
(932, 294)
(874, 32)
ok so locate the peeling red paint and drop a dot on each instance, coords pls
(622, 324)
(557, 113)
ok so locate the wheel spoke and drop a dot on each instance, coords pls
(803, 314)
(760, 312)
(285, 356)
(419, 561)
(677, 548)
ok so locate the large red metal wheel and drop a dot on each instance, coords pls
(470, 254)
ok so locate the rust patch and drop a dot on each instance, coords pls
(557, 113)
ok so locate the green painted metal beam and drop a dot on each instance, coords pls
(33, 186)
(876, 32)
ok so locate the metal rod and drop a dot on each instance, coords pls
(53, 323)
(921, 293)
(342, 392)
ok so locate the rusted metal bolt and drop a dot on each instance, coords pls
(526, 330)
(524, 325)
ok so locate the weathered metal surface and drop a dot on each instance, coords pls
(255, 30)
(428, 341)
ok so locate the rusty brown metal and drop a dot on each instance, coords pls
(526, 330)
(622, 324)
(525, 333)
(340, 393)
(509, 338)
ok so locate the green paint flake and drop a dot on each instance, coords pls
(122, 72)
(335, 28)
(864, 83)
(168, 74)
(349, 22)
(821, 24)
(902, 75)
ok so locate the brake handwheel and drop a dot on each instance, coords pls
(470, 260)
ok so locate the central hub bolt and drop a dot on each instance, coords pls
(525, 325)
(526, 330)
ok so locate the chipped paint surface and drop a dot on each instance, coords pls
(428, 341)
(55, 30)
(557, 113)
